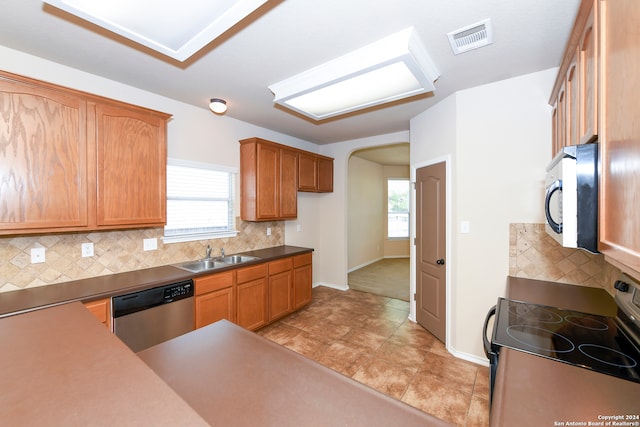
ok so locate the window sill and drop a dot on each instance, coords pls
(200, 236)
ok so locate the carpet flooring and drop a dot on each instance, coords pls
(388, 277)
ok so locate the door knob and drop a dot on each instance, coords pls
(440, 261)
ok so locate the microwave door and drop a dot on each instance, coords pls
(553, 206)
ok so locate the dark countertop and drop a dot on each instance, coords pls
(562, 295)
(534, 391)
(61, 367)
(23, 300)
(238, 378)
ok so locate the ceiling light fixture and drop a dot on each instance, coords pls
(218, 106)
(177, 29)
(393, 68)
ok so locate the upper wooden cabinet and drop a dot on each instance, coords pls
(72, 161)
(271, 174)
(620, 134)
(574, 95)
(315, 173)
(131, 159)
(268, 181)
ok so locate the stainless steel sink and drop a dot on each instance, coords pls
(237, 259)
(202, 265)
(213, 263)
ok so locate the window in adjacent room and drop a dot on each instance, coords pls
(398, 208)
(199, 201)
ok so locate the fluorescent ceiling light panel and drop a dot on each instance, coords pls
(174, 28)
(393, 68)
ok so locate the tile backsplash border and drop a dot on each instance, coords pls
(115, 252)
(534, 254)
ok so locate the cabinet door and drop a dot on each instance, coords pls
(620, 132)
(589, 78)
(43, 158)
(325, 175)
(302, 280)
(573, 103)
(214, 306)
(307, 172)
(267, 182)
(288, 184)
(131, 159)
(562, 118)
(101, 309)
(280, 288)
(251, 304)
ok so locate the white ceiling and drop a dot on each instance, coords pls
(286, 37)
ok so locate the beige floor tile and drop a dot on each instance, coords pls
(308, 345)
(438, 397)
(401, 355)
(345, 358)
(455, 371)
(279, 332)
(478, 415)
(385, 376)
(364, 338)
(481, 387)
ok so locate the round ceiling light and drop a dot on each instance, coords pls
(218, 106)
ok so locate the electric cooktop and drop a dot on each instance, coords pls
(586, 340)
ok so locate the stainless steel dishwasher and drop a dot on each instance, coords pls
(146, 318)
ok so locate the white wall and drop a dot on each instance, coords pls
(498, 139)
(365, 222)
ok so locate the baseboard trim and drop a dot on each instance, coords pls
(331, 285)
(358, 267)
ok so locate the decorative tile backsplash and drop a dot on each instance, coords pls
(115, 252)
(536, 255)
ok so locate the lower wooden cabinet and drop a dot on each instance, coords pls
(280, 288)
(256, 295)
(252, 296)
(214, 298)
(302, 280)
(101, 309)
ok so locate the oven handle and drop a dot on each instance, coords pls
(487, 344)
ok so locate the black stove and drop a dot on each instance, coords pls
(607, 345)
(580, 339)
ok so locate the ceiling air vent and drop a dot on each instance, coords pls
(471, 37)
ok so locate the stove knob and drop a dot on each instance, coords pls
(621, 286)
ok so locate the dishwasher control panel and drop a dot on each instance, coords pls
(148, 298)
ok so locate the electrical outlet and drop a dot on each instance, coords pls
(268, 231)
(150, 244)
(298, 227)
(465, 227)
(37, 255)
(87, 250)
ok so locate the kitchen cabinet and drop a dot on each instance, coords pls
(252, 296)
(101, 309)
(280, 297)
(268, 181)
(620, 134)
(132, 163)
(302, 280)
(315, 173)
(215, 298)
(574, 96)
(77, 162)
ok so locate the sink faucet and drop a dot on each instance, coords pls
(222, 252)
(208, 252)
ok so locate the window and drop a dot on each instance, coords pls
(199, 201)
(398, 208)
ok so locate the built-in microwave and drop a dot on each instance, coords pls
(571, 200)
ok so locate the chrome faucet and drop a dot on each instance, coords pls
(222, 252)
(208, 252)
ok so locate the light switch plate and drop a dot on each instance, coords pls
(87, 250)
(37, 255)
(465, 227)
(150, 244)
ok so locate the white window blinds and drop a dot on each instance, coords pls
(199, 201)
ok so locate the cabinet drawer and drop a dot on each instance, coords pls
(280, 265)
(251, 273)
(300, 260)
(214, 282)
